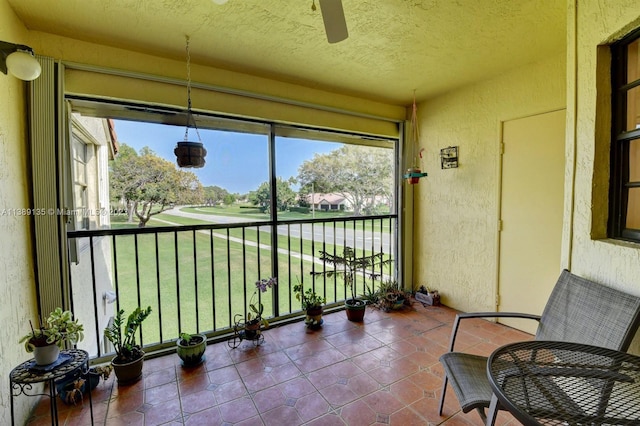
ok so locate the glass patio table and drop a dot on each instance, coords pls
(549, 383)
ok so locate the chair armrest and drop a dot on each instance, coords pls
(465, 315)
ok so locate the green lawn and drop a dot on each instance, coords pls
(252, 213)
(211, 279)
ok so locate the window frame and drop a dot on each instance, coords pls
(621, 138)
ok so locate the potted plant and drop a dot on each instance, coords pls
(427, 297)
(191, 348)
(312, 304)
(347, 265)
(254, 319)
(127, 364)
(390, 296)
(46, 340)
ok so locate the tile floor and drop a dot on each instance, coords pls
(384, 371)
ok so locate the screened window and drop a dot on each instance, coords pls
(624, 212)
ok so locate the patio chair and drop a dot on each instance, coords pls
(578, 310)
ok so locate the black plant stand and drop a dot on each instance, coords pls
(24, 376)
(241, 333)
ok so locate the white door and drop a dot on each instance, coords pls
(532, 199)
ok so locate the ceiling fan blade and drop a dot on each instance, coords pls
(335, 24)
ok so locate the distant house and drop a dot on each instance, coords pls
(328, 202)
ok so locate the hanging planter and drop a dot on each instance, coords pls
(190, 154)
(414, 173)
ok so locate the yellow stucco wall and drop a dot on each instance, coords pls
(76, 51)
(16, 265)
(456, 210)
(592, 24)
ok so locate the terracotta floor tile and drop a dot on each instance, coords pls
(229, 391)
(338, 395)
(269, 399)
(198, 401)
(358, 414)
(362, 385)
(285, 372)
(223, 375)
(327, 420)
(307, 349)
(237, 410)
(159, 394)
(258, 381)
(282, 415)
(206, 417)
(163, 413)
(128, 419)
(383, 371)
(253, 421)
(383, 402)
(124, 404)
(250, 366)
(160, 377)
(311, 406)
(406, 391)
(297, 388)
(193, 383)
(406, 416)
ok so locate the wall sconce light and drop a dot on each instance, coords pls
(449, 157)
(18, 59)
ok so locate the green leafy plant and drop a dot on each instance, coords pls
(348, 264)
(371, 296)
(308, 298)
(187, 339)
(257, 308)
(60, 327)
(123, 335)
(389, 295)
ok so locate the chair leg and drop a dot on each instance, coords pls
(444, 390)
(493, 411)
(483, 416)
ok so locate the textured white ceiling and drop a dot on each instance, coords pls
(394, 46)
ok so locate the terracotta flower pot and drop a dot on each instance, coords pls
(355, 310)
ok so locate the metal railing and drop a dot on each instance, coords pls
(197, 278)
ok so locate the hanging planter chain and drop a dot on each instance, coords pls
(414, 173)
(190, 154)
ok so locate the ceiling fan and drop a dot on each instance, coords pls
(335, 25)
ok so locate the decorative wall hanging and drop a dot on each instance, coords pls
(414, 173)
(449, 157)
(190, 154)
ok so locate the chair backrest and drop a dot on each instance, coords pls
(582, 311)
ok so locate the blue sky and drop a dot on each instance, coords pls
(237, 162)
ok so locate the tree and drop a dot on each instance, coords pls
(148, 184)
(215, 195)
(229, 199)
(362, 175)
(285, 195)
